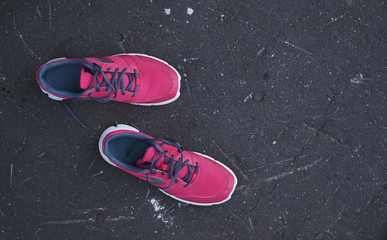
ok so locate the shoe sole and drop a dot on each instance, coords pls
(138, 104)
(126, 127)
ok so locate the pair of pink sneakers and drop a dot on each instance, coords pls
(143, 80)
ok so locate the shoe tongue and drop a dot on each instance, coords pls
(146, 161)
(87, 78)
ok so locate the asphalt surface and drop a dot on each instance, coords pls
(291, 95)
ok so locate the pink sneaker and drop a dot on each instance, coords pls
(133, 78)
(189, 177)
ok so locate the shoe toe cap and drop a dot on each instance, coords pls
(214, 185)
(159, 81)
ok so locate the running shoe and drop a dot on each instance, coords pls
(188, 177)
(129, 77)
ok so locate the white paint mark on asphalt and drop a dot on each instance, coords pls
(156, 205)
(190, 11)
(167, 11)
(358, 79)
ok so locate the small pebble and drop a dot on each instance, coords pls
(190, 11)
(167, 11)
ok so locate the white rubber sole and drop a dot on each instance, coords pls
(52, 96)
(138, 104)
(126, 127)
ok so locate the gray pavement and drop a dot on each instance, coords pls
(291, 95)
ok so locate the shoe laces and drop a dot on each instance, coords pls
(112, 85)
(174, 167)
